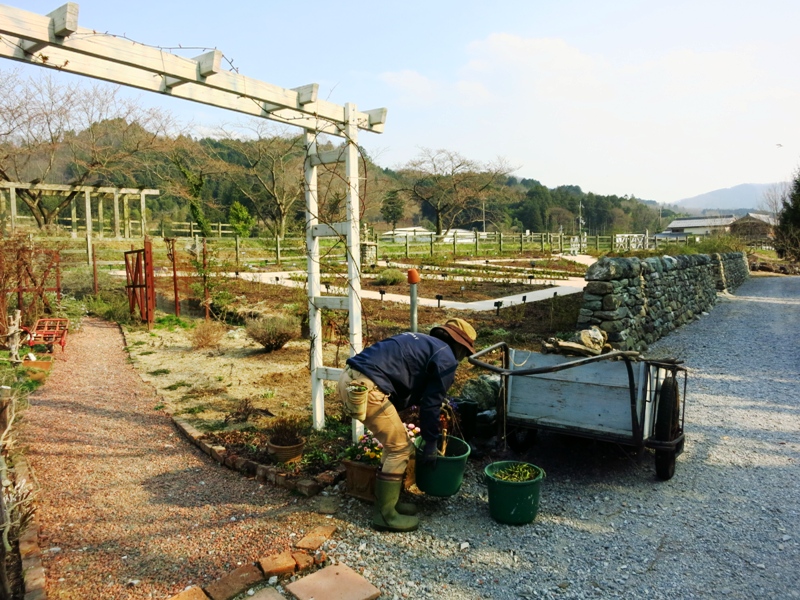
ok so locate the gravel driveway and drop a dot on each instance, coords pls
(132, 511)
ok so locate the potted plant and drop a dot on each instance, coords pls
(514, 488)
(286, 440)
(361, 463)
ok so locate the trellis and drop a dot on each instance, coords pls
(56, 41)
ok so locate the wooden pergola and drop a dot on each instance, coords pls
(10, 188)
(56, 41)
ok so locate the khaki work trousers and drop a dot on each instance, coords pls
(382, 420)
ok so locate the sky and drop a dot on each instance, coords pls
(659, 100)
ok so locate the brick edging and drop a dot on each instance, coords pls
(262, 473)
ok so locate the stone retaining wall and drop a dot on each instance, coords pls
(638, 301)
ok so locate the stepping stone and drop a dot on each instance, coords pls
(234, 583)
(267, 594)
(316, 537)
(337, 582)
(193, 593)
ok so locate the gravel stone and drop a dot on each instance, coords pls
(725, 526)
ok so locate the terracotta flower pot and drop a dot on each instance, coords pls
(286, 454)
(360, 479)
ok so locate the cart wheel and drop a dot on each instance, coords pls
(667, 426)
(520, 440)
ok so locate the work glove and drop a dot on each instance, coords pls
(429, 453)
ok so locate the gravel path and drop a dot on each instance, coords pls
(124, 498)
(129, 509)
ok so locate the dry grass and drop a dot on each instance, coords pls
(207, 334)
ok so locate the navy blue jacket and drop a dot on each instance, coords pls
(412, 368)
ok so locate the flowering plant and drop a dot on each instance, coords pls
(412, 431)
(367, 450)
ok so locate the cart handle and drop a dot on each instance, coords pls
(626, 354)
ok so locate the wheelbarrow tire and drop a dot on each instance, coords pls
(667, 426)
(521, 439)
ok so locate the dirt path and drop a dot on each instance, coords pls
(127, 508)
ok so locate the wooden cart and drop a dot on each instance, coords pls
(615, 397)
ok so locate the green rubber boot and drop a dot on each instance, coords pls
(385, 516)
(406, 508)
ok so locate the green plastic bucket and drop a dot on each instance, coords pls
(512, 502)
(444, 476)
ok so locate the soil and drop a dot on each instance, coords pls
(215, 388)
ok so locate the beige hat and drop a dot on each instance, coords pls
(460, 332)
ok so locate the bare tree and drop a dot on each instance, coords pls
(450, 184)
(268, 170)
(68, 134)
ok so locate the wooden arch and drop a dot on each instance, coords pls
(55, 41)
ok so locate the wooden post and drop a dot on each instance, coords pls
(100, 222)
(312, 245)
(94, 270)
(455, 237)
(87, 196)
(174, 259)
(476, 242)
(89, 248)
(541, 239)
(407, 238)
(597, 242)
(277, 249)
(237, 253)
(116, 214)
(432, 242)
(13, 195)
(521, 239)
(191, 228)
(126, 215)
(561, 243)
(143, 208)
(500, 233)
(206, 298)
(219, 229)
(149, 280)
(74, 217)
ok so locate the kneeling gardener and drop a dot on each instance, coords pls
(390, 375)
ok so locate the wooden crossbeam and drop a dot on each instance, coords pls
(57, 187)
(56, 41)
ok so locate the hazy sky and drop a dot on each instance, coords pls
(661, 100)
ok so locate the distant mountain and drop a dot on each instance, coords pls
(743, 198)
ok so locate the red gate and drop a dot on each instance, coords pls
(141, 285)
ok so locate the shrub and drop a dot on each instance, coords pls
(112, 306)
(390, 277)
(287, 431)
(273, 332)
(207, 334)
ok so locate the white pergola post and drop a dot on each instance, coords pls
(353, 234)
(314, 317)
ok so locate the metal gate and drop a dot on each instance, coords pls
(140, 283)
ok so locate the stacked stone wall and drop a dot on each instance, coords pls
(638, 301)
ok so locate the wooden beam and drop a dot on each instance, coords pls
(63, 22)
(58, 187)
(329, 157)
(333, 230)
